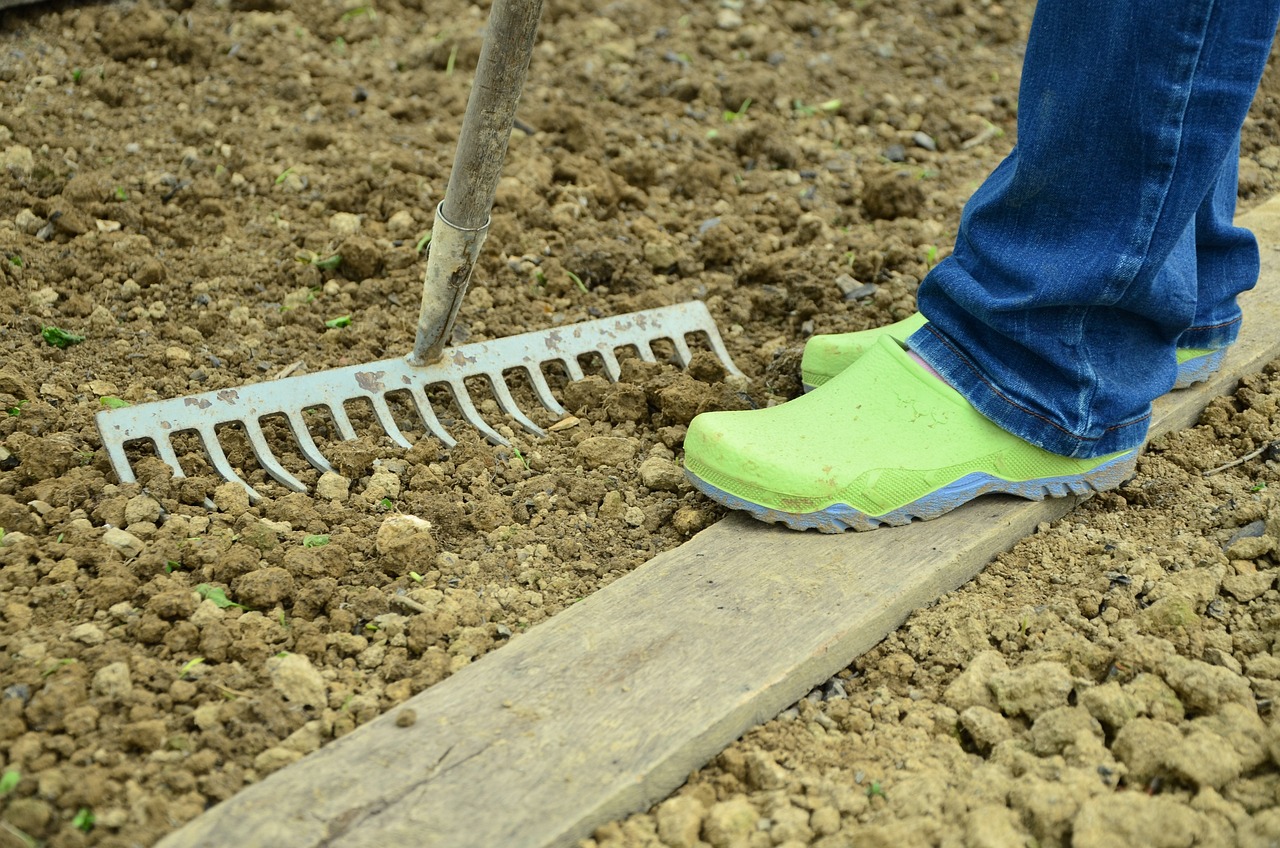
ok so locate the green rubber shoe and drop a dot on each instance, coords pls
(827, 355)
(883, 442)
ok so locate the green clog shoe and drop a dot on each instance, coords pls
(883, 442)
(827, 355)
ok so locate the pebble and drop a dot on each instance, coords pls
(265, 587)
(406, 543)
(971, 688)
(333, 487)
(1032, 690)
(113, 681)
(297, 680)
(729, 823)
(924, 140)
(985, 727)
(662, 475)
(606, 450)
(123, 541)
(87, 634)
(679, 821)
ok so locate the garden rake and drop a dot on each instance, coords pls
(458, 231)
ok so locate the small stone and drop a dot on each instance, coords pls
(1204, 687)
(123, 541)
(30, 816)
(1032, 689)
(148, 735)
(17, 159)
(142, 508)
(265, 587)
(344, 223)
(88, 634)
(662, 475)
(825, 820)
(923, 140)
(333, 487)
(728, 19)
(174, 604)
(613, 505)
(406, 543)
(113, 681)
(679, 821)
(1251, 547)
(763, 772)
(361, 257)
(987, 728)
(406, 718)
(28, 222)
(297, 680)
(177, 357)
(401, 224)
(1205, 759)
(606, 450)
(1248, 587)
(305, 739)
(971, 687)
(1134, 818)
(231, 498)
(1111, 705)
(1061, 727)
(1142, 745)
(634, 516)
(383, 484)
(729, 823)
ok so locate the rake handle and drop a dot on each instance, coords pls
(462, 219)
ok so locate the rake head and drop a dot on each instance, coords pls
(202, 414)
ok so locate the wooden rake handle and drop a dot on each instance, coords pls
(462, 219)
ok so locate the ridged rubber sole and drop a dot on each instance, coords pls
(1192, 371)
(838, 518)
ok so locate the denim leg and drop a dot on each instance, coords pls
(1083, 259)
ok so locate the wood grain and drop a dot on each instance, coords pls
(608, 706)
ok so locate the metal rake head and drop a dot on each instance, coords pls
(202, 414)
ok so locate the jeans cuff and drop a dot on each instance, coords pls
(1016, 417)
(1210, 337)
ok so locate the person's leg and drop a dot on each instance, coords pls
(1058, 313)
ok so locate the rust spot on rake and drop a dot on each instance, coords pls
(200, 403)
(370, 381)
(228, 396)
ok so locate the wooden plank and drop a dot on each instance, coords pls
(608, 706)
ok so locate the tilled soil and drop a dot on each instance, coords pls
(216, 194)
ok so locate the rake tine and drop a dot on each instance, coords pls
(120, 460)
(306, 443)
(469, 412)
(722, 353)
(387, 420)
(543, 390)
(167, 455)
(683, 354)
(507, 404)
(428, 416)
(645, 352)
(220, 462)
(573, 368)
(340, 420)
(268, 461)
(611, 366)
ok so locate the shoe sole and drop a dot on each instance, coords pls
(841, 517)
(1189, 373)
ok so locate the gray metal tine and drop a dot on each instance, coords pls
(611, 366)
(543, 390)
(388, 421)
(572, 366)
(268, 461)
(645, 351)
(220, 462)
(469, 412)
(166, 454)
(683, 355)
(507, 403)
(341, 421)
(428, 415)
(120, 460)
(307, 443)
(722, 353)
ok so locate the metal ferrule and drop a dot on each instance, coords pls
(453, 255)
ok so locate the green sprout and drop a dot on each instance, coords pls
(113, 402)
(317, 541)
(730, 116)
(171, 565)
(329, 263)
(284, 175)
(340, 321)
(415, 577)
(515, 450)
(875, 789)
(15, 260)
(358, 11)
(218, 596)
(1257, 487)
(60, 338)
(60, 664)
(931, 255)
(76, 75)
(386, 503)
(83, 820)
(120, 194)
(577, 281)
(422, 242)
(188, 666)
(449, 63)
(9, 781)
(16, 410)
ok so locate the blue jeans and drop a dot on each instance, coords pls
(1105, 240)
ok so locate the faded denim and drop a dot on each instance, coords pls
(1105, 240)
